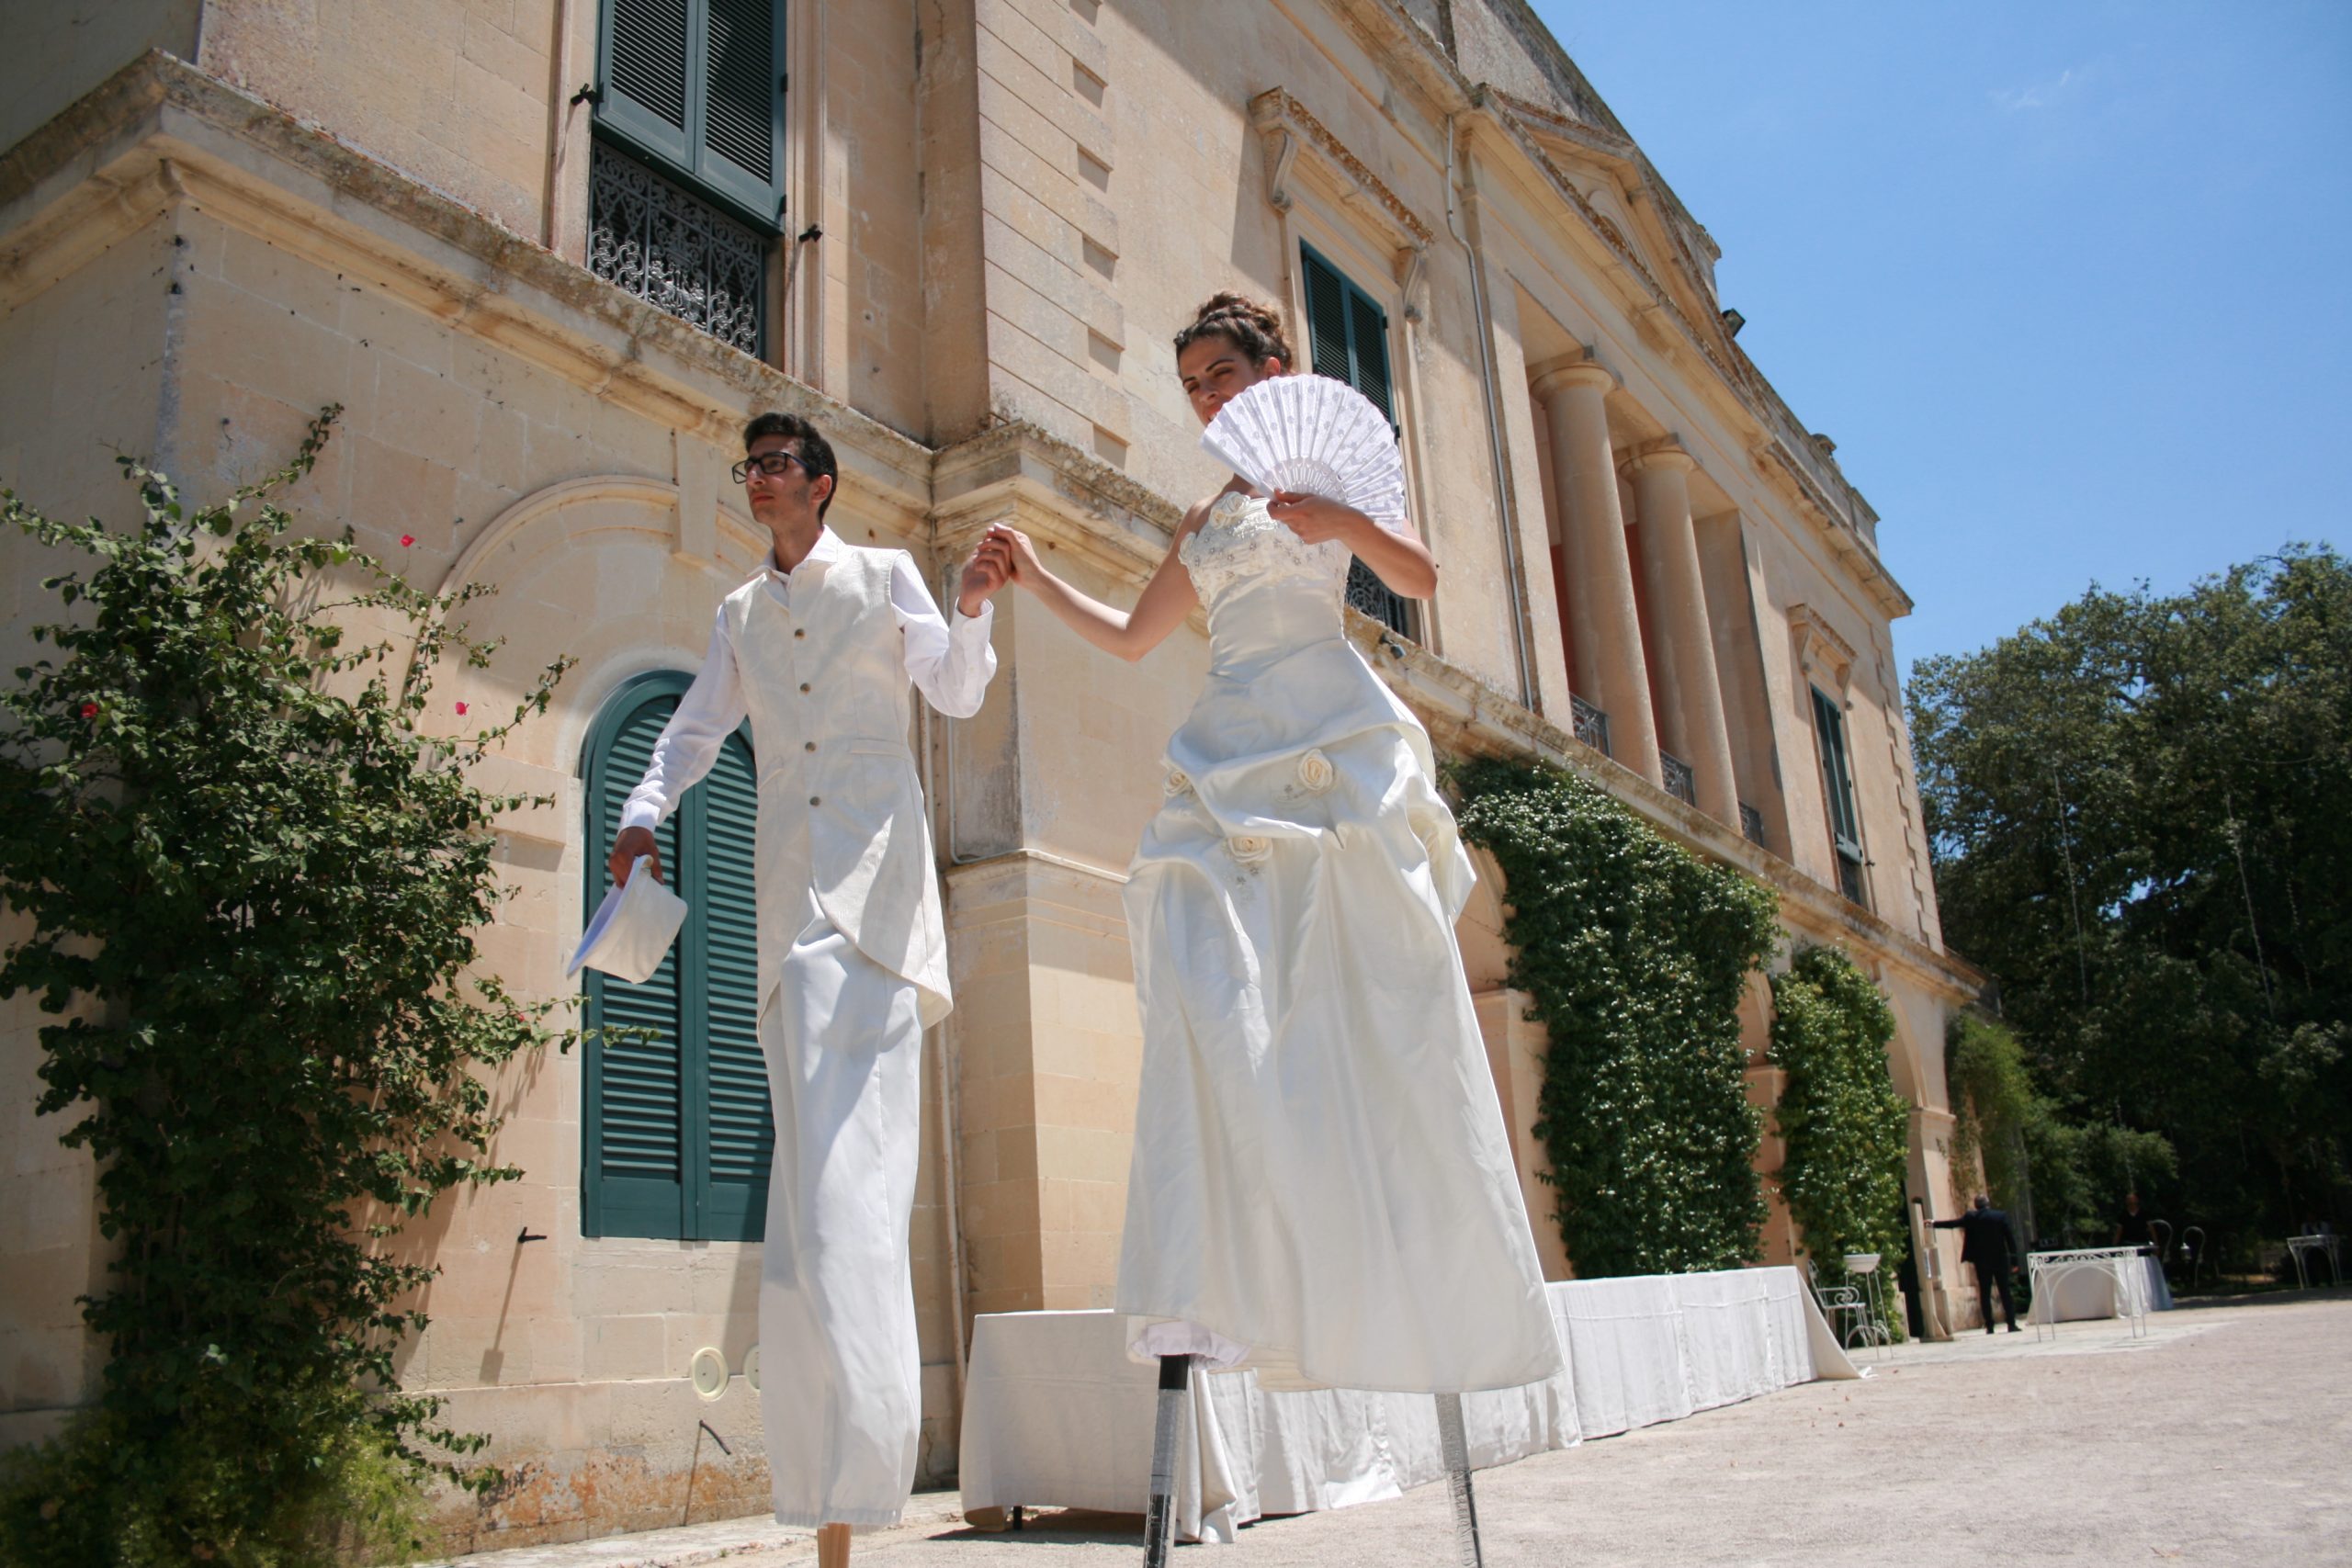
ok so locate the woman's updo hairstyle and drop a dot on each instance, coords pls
(1249, 325)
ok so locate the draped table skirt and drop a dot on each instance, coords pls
(1056, 1416)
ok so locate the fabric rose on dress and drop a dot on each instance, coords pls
(1315, 773)
(1176, 783)
(1248, 849)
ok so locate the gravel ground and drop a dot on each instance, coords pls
(2224, 1436)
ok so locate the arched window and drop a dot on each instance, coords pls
(676, 1128)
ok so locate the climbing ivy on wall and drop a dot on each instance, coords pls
(1846, 1132)
(1636, 953)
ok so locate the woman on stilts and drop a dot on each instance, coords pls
(1322, 1187)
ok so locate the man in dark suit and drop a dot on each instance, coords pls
(1985, 1247)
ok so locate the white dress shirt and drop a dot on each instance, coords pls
(950, 665)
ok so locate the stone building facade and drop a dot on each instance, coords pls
(549, 255)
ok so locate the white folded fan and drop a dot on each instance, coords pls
(1315, 436)
(632, 928)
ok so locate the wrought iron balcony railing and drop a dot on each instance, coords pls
(1751, 825)
(1589, 724)
(1374, 597)
(676, 251)
(1680, 781)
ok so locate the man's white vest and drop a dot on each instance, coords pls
(841, 808)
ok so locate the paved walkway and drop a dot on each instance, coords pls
(2224, 1436)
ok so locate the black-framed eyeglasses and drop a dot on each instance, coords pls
(772, 464)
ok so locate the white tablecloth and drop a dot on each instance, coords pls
(2091, 1293)
(1054, 1415)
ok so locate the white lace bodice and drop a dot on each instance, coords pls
(1240, 540)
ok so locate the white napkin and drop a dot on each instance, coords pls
(632, 928)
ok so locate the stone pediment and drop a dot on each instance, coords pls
(1631, 205)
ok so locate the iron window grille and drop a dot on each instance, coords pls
(1751, 825)
(1680, 781)
(1376, 599)
(1591, 724)
(676, 251)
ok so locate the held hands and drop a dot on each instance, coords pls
(633, 843)
(1317, 519)
(1009, 553)
(985, 571)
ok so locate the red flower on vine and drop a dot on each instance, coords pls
(407, 539)
(89, 710)
(461, 710)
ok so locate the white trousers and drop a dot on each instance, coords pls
(842, 1385)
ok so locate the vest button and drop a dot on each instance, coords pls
(808, 745)
(812, 800)
(800, 631)
(804, 685)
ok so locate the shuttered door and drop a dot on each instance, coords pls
(676, 1131)
(635, 1165)
(1346, 339)
(742, 1134)
(697, 87)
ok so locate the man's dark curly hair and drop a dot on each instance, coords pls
(816, 453)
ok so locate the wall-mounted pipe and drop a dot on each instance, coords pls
(1506, 506)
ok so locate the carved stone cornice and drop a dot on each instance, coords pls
(1818, 645)
(1289, 131)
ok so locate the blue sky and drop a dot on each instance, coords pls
(2070, 284)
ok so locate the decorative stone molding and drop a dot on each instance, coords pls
(1578, 369)
(1287, 130)
(1665, 452)
(1819, 648)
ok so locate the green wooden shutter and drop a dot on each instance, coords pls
(647, 49)
(1346, 339)
(1831, 725)
(1347, 332)
(1368, 335)
(634, 1163)
(697, 87)
(676, 1132)
(740, 149)
(1838, 782)
(743, 1132)
(1326, 320)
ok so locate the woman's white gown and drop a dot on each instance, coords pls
(1321, 1173)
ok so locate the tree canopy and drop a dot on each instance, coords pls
(2141, 811)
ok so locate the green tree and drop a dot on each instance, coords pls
(2141, 811)
(250, 874)
(2057, 1178)
(1845, 1132)
(1636, 954)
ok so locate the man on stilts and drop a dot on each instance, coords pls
(819, 652)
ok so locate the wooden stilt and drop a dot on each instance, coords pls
(1159, 1521)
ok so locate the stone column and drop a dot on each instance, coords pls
(1688, 681)
(1601, 574)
